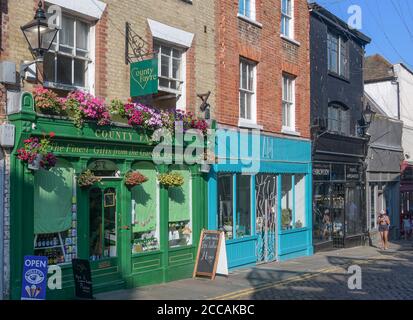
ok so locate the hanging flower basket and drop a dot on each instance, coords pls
(86, 179)
(134, 178)
(36, 153)
(171, 179)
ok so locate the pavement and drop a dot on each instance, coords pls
(385, 275)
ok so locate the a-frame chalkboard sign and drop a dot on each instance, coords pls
(208, 254)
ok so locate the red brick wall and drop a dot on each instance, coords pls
(101, 81)
(273, 55)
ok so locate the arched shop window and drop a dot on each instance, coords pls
(145, 210)
(55, 213)
(180, 210)
(104, 168)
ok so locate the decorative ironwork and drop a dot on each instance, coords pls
(266, 224)
(136, 48)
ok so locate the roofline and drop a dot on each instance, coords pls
(389, 78)
(406, 67)
(314, 7)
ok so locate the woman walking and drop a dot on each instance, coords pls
(384, 225)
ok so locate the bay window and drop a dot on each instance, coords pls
(67, 63)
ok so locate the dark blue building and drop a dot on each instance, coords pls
(339, 146)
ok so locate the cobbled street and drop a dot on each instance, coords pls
(323, 276)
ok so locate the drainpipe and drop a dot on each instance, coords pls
(397, 83)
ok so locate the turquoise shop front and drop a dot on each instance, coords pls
(259, 194)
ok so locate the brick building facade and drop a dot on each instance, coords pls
(260, 42)
(263, 114)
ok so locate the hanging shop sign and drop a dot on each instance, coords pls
(144, 77)
(83, 279)
(34, 278)
(208, 254)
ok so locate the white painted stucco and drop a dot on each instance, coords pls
(384, 93)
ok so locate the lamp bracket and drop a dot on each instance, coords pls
(24, 67)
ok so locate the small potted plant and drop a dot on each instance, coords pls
(36, 154)
(286, 219)
(87, 179)
(171, 179)
(134, 178)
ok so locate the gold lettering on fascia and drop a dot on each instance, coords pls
(117, 135)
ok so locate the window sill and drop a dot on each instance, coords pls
(337, 76)
(290, 131)
(248, 124)
(65, 87)
(292, 41)
(249, 20)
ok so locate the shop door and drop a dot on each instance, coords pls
(266, 217)
(104, 222)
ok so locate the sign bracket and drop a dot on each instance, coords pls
(136, 44)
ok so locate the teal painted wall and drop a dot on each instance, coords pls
(243, 152)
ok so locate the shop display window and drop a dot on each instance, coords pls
(337, 210)
(300, 205)
(286, 202)
(180, 210)
(145, 211)
(243, 206)
(225, 202)
(322, 224)
(55, 214)
(354, 212)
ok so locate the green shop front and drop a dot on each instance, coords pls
(131, 236)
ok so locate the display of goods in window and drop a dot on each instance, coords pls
(87, 179)
(36, 153)
(171, 179)
(134, 178)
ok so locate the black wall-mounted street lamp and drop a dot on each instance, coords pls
(366, 119)
(39, 35)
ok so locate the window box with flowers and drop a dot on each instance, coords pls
(36, 153)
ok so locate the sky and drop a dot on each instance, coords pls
(389, 23)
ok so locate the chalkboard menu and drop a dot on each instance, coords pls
(83, 279)
(208, 254)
